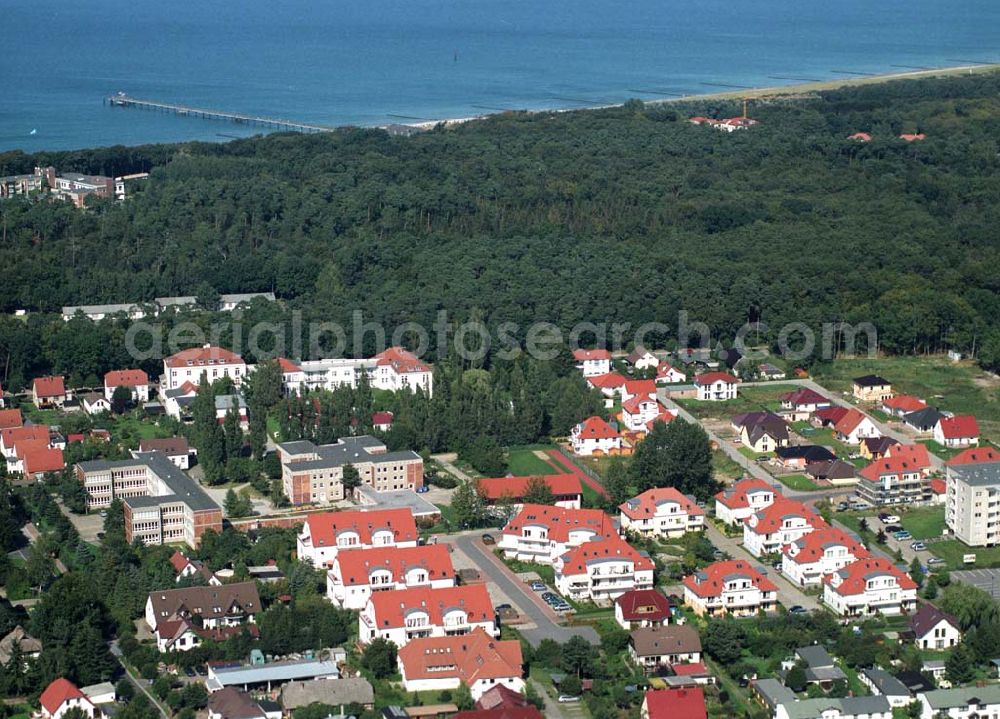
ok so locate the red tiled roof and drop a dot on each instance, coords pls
(916, 454)
(38, 459)
(560, 521)
(735, 497)
(596, 428)
(49, 386)
(380, 418)
(575, 560)
(811, 547)
(287, 366)
(325, 526)
(515, 487)
(770, 519)
(644, 505)
(664, 369)
(643, 605)
(634, 405)
(666, 416)
(688, 670)
(938, 486)
(471, 657)
(581, 355)
(10, 418)
(713, 578)
(640, 388)
(59, 692)
(909, 137)
(126, 378)
(830, 415)
(611, 380)
(13, 436)
(401, 360)
(201, 356)
(500, 697)
(893, 464)
(904, 403)
(356, 565)
(391, 608)
(855, 575)
(863, 136)
(974, 455)
(849, 422)
(804, 395)
(959, 426)
(711, 377)
(507, 712)
(170, 446)
(676, 703)
(179, 561)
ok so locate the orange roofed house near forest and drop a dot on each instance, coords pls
(565, 488)
(214, 362)
(595, 437)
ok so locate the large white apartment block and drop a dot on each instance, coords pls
(408, 614)
(661, 512)
(325, 534)
(214, 362)
(356, 574)
(819, 554)
(313, 474)
(972, 503)
(592, 362)
(780, 524)
(732, 587)
(602, 570)
(870, 586)
(395, 369)
(540, 533)
(742, 499)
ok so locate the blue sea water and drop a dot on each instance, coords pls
(367, 62)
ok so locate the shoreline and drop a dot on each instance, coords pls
(777, 92)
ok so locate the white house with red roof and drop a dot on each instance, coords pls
(742, 499)
(731, 587)
(661, 512)
(609, 384)
(687, 703)
(901, 404)
(592, 362)
(408, 614)
(185, 567)
(959, 431)
(819, 554)
(324, 534)
(716, 386)
(855, 426)
(804, 400)
(896, 479)
(49, 392)
(666, 374)
(477, 660)
(190, 364)
(869, 586)
(10, 418)
(398, 369)
(136, 381)
(594, 436)
(602, 569)
(639, 413)
(567, 492)
(784, 521)
(540, 533)
(642, 608)
(638, 388)
(382, 421)
(62, 695)
(11, 437)
(356, 574)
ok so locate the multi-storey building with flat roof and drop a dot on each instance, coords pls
(162, 505)
(313, 474)
(972, 503)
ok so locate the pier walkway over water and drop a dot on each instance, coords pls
(124, 100)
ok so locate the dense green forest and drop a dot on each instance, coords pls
(627, 214)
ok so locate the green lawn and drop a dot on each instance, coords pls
(750, 399)
(797, 481)
(725, 467)
(924, 522)
(523, 462)
(953, 550)
(940, 450)
(959, 387)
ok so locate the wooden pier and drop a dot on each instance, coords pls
(124, 100)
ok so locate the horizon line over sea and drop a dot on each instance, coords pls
(426, 61)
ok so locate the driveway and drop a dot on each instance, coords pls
(88, 525)
(445, 460)
(788, 594)
(528, 603)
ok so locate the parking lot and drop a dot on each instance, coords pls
(88, 525)
(986, 579)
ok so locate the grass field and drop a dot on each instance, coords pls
(953, 550)
(725, 468)
(797, 481)
(939, 450)
(924, 522)
(750, 399)
(523, 462)
(959, 387)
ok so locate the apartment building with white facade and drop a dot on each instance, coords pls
(190, 364)
(732, 587)
(324, 534)
(601, 570)
(661, 512)
(780, 524)
(870, 586)
(408, 614)
(540, 533)
(806, 560)
(742, 499)
(972, 503)
(356, 574)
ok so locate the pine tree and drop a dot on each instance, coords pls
(351, 480)
(960, 666)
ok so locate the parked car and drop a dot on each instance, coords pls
(423, 489)
(538, 586)
(935, 560)
(918, 546)
(891, 519)
(500, 607)
(488, 539)
(763, 458)
(903, 536)
(893, 528)
(549, 597)
(567, 698)
(798, 609)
